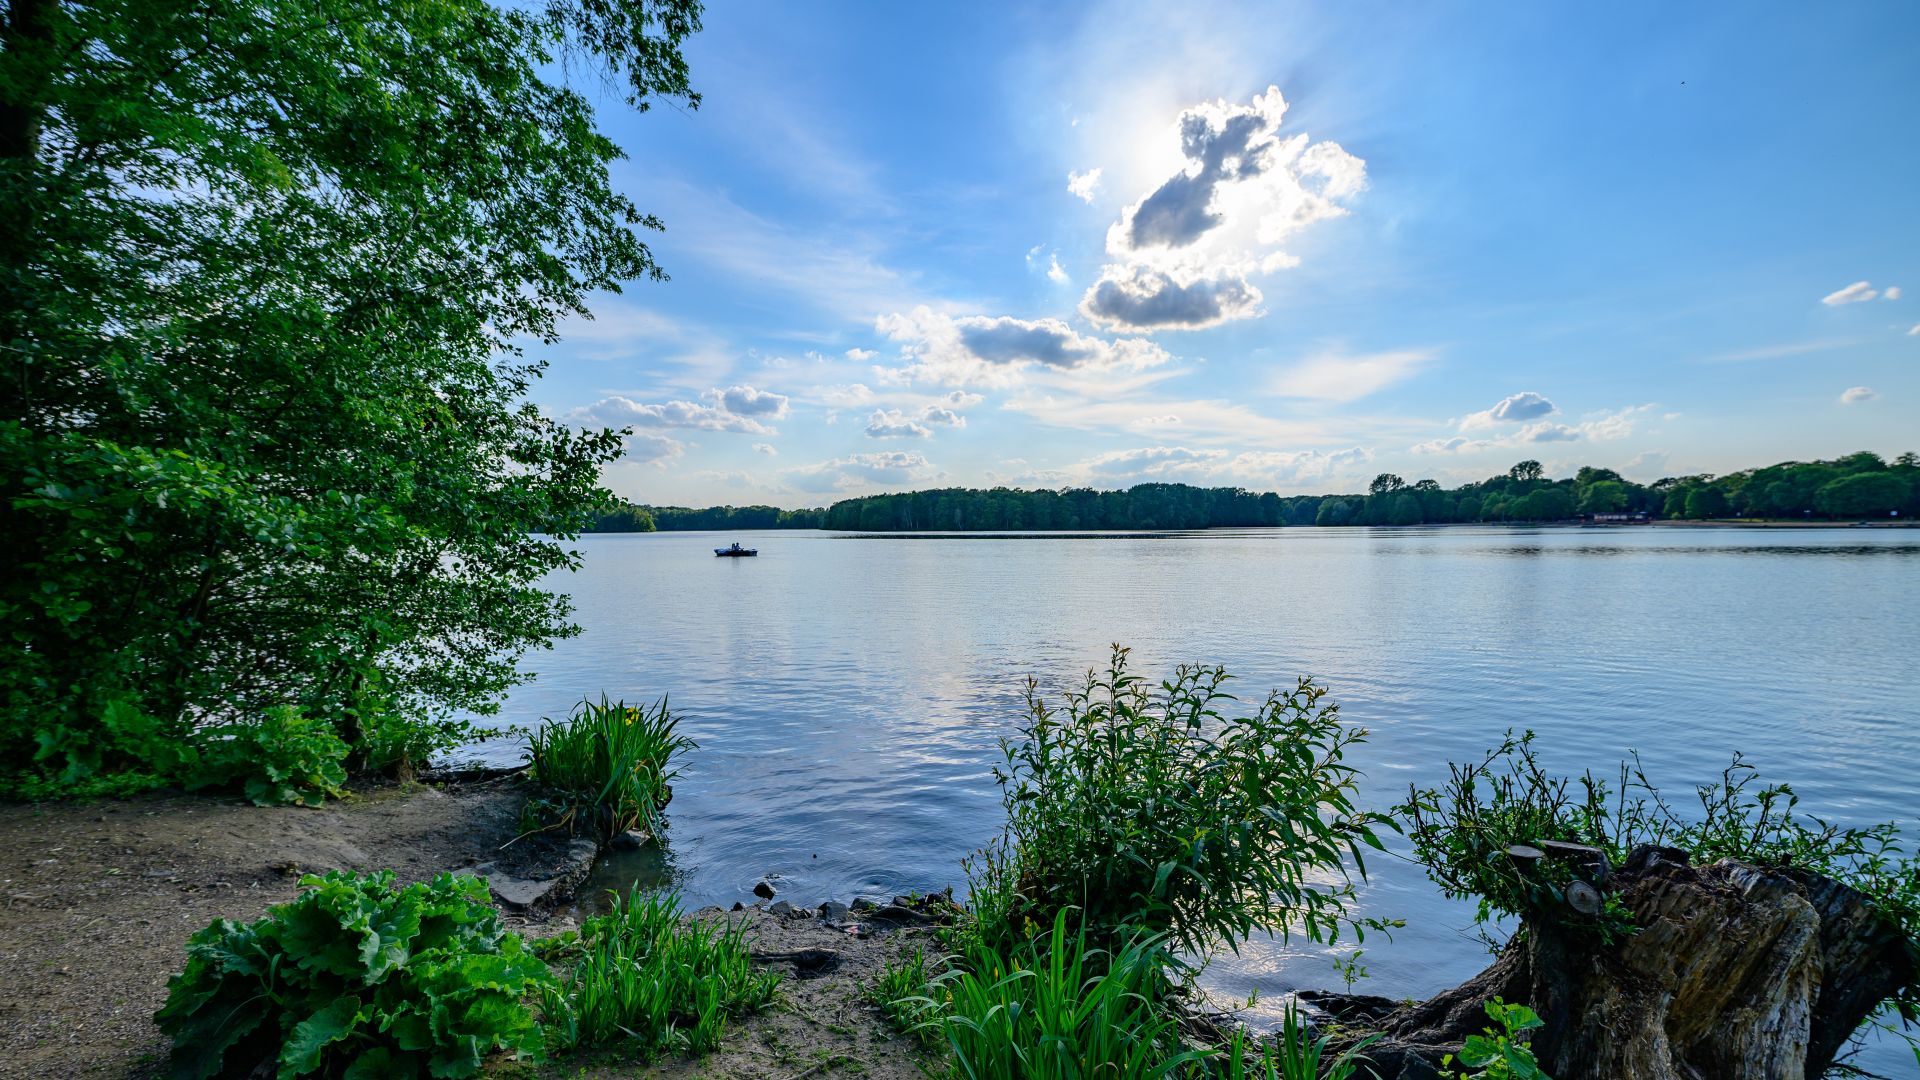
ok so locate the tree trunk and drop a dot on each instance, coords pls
(1737, 973)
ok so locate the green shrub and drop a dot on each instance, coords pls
(283, 757)
(607, 767)
(1500, 1054)
(356, 978)
(1461, 829)
(1293, 1055)
(1150, 808)
(1057, 1007)
(653, 983)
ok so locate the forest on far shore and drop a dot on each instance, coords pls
(1858, 486)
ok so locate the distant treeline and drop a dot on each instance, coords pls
(631, 517)
(1858, 486)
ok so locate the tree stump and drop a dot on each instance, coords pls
(1737, 973)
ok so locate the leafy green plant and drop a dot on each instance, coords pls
(649, 981)
(1350, 969)
(1500, 1053)
(1292, 1055)
(608, 767)
(356, 978)
(1057, 1007)
(1151, 808)
(905, 993)
(283, 757)
(1461, 830)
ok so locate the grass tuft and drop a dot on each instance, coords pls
(649, 981)
(608, 767)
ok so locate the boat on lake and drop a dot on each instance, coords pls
(735, 551)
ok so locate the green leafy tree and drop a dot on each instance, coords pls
(265, 274)
(1603, 497)
(1862, 494)
(1526, 471)
(1705, 502)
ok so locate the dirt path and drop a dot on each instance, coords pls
(97, 901)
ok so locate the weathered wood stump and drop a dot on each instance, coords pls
(1737, 973)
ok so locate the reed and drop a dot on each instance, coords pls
(607, 767)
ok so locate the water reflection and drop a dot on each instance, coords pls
(849, 694)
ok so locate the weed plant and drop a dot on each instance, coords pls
(284, 756)
(606, 768)
(1057, 1007)
(356, 978)
(653, 984)
(1150, 809)
(1293, 1055)
(1501, 1053)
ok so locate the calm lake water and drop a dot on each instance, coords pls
(849, 692)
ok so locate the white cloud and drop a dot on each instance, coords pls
(1855, 395)
(1858, 292)
(979, 350)
(892, 424)
(646, 448)
(884, 469)
(621, 412)
(1599, 426)
(1892, 293)
(766, 448)
(1055, 273)
(1201, 465)
(1915, 332)
(1083, 185)
(847, 396)
(1648, 463)
(861, 356)
(1183, 252)
(747, 401)
(1336, 377)
(1139, 297)
(1525, 405)
(896, 424)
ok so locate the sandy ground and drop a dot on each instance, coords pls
(97, 901)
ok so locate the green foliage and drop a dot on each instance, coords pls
(629, 517)
(356, 978)
(1150, 808)
(283, 757)
(1500, 1054)
(268, 271)
(1461, 830)
(1523, 493)
(904, 993)
(1059, 1007)
(608, 767)
(1294, 1055)
(653, 984)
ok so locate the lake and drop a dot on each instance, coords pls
(849, 692)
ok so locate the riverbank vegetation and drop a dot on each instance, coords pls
(605, 770)
(1857, 486)
(269, 278)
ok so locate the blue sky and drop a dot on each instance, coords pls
(1323, 241)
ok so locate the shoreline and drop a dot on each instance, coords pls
(101, 896)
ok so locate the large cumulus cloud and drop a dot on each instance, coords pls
(994, 351)
(1183, 254)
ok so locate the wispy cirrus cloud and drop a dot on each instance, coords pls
(1339, 377)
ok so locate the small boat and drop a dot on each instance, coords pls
(735, 552)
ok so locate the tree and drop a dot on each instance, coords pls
(1603, 497)
(265, 272)
(1864, 494)
(1526, 471)
(1405, 510)
(1705, 502)
(1384, 483)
